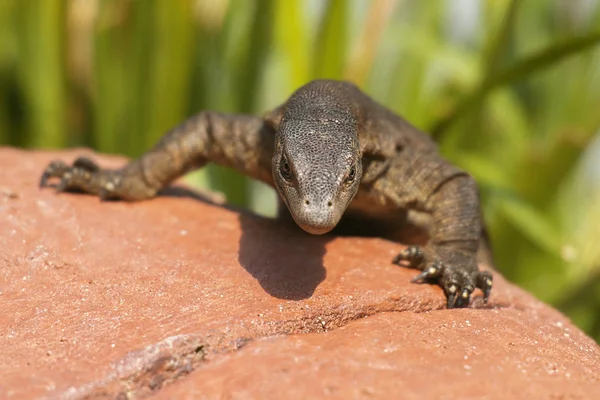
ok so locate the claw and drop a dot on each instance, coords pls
(432, 271)
(463, 299)
(486, 294)
(103, 195)
(412, 253)
(54, 170)
(420, 277)
(44, 180)
(63, 184)
(484, 282)
(451, 294)
(451, 301)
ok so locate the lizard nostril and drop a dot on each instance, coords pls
(329, 204)
(306, 202)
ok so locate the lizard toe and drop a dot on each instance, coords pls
(65, 183)
(86, 164)
(484, 281)
(451, 293)
(458, 285)
(74, 179)
(431, 272)
(464, 297)
(412, 254)
(56, 169)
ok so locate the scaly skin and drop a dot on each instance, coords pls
(333, 154)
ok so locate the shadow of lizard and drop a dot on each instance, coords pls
(286, 262)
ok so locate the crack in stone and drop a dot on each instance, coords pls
(141, 373)
(144, 372)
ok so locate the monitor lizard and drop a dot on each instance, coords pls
(337, 158)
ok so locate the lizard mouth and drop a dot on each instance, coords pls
(316, 223)
(316, 230)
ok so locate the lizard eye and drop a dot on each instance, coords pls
(285, 169)
(351, 176)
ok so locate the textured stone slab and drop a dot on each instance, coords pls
(462, 354)
(100, 300)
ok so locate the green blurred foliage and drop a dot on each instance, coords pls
(515, 100)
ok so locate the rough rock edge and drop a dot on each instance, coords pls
(140, 373)
(144, 372)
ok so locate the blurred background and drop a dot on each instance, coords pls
(509, 88)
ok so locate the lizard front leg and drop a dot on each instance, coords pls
(244, 143)
(451, 197)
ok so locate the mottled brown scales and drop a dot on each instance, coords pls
(338, 160)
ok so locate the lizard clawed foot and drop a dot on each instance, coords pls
(84, 175)
(455, 271)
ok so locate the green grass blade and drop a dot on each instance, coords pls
(8, 47)
(331, 42)
(253, 56)
(531, 223)
(500, 43)
(293, 42)
(42, 72)
(486, 171)
(170, 66)
(363, 55)
(108, 82)
(522, 69)
(245, 48)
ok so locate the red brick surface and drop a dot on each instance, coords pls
(179, 298)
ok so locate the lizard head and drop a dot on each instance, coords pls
(317, 164)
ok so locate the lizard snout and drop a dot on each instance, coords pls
(317, 216)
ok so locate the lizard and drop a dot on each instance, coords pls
(337, 158)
